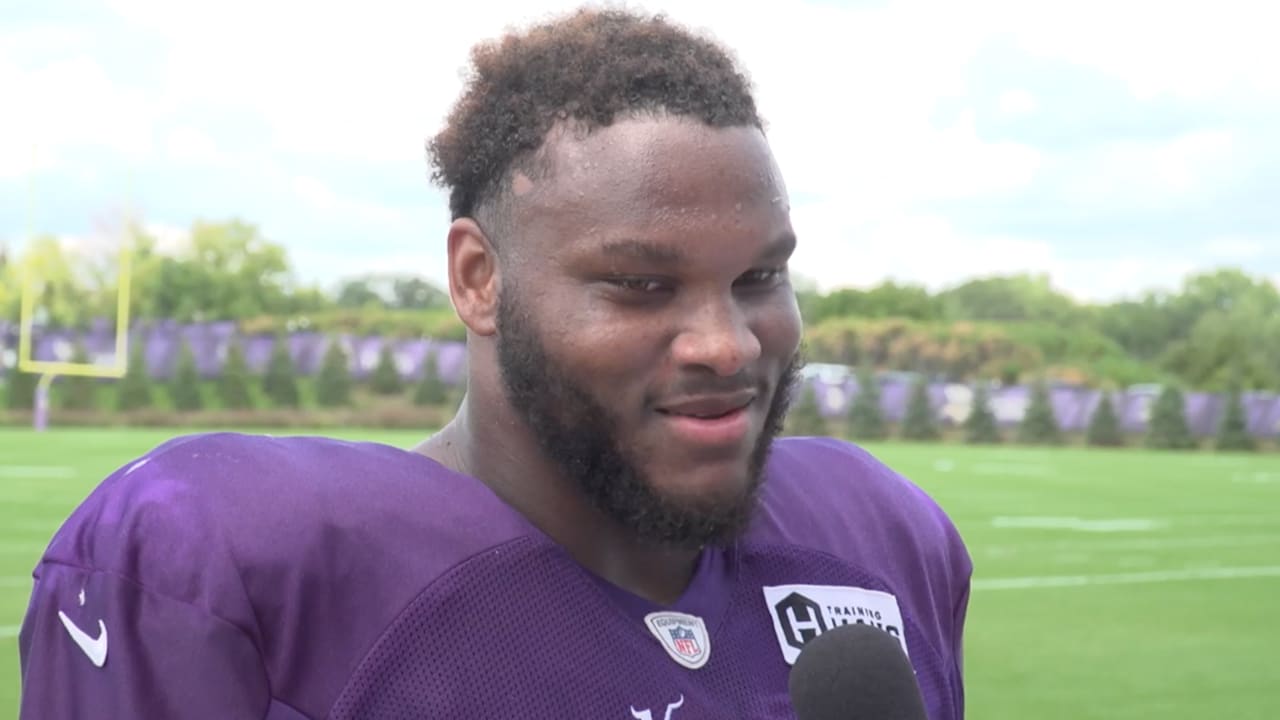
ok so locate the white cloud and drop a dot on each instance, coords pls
(66, 103)
(193, 145)
(1151, 174)
(852, 97)
(1236, 248)
(1018, 102)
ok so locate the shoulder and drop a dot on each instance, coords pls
(834, 485)
(205, 517)
(836, 498)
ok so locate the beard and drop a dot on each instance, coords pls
(583, 439)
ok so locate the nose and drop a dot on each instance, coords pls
(716, 335)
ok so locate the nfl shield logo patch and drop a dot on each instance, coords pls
(686, 644)
(684, 637)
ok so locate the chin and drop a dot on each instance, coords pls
(711, 483)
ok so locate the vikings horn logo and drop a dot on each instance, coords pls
(647, 714)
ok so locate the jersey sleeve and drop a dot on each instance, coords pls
(95, 644)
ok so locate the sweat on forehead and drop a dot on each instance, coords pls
(661, 163)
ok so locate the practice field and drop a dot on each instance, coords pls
(1109, 585)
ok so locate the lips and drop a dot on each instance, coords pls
(707, 407)
(710, 420)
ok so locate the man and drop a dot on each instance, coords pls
(607, 529)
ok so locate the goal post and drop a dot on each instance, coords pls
(31, 289)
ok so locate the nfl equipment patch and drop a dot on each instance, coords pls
(802, 612)
(684, 637)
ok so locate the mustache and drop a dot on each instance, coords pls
(711, 384)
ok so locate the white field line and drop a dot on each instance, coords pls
(1136, 544)
(1136, 578)
(1012, 469)
(9, 631)
(1101, 525)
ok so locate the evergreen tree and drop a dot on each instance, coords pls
(1039, 426)
(1233, 431)
(1168, 428)
(233, 382)
(805, 417)
(386, 376)
(184, 386)
(920, 423)
(430, 389)
(280, 382)
(866, 417)
(980, 426)
(133, 391)
(78, 391)
(20, 389)
(1104, 424)
(333, 385)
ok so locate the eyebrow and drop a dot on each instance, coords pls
(648, 252)
(782, 247)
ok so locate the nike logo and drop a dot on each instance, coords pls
(95, 648)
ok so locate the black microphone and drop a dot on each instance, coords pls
(855, 672)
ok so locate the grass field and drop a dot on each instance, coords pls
(1110, 585)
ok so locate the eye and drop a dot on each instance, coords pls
(640, 285)
(762, 278)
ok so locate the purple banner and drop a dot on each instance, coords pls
(834, 386)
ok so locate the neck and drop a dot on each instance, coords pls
(498, 449)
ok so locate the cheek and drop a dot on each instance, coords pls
(603, 352)
(779, 328)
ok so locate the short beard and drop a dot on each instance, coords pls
(581, 437)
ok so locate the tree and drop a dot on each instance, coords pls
(134, 389)
(920, 423)
(394, 291)
(223, 270)
(866, 417)
(1104, 425)
(20, 389)
(280, 382)
(333, 384)
(430, 389)
(386, 376)
(233, 381)
(1011, 298)
(1039, 426)
(1229, 348)
(78, 391)
(184, 386)
(1168, 428)
(65, 294)
(805, 417)
(1233, 431)
(980, 427)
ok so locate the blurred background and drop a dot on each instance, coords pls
(1038, 265)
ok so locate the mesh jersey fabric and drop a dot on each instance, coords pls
(565, 651)
(316, 578)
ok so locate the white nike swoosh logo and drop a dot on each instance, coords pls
(95, 648)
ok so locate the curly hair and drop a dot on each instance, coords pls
(588, 69)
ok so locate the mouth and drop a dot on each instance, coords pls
(720, 420)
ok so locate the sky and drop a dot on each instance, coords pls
(1116, 146)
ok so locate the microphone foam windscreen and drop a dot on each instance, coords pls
(855, 672)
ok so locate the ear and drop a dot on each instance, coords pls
(474, 278)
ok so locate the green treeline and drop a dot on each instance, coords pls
(1218, 331)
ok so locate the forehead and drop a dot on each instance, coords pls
(654, 176)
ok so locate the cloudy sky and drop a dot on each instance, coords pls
(1114, 145)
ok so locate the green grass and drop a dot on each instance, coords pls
(1138, 629)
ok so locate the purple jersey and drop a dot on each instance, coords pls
(230, 576)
